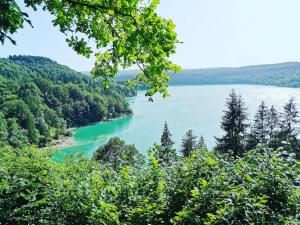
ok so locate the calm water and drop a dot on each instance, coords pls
(190, 107)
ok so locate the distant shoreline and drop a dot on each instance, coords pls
(277, 74)
(222, 84)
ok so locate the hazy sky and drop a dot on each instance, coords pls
(215, 33)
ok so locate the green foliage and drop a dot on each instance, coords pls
(260, 129)
(165, 153)
(273, 126)
(289, 121)
(3, 130)
(269, 128)
(45, 98)
(189, 144)
(205, 188)
(234, 125)
(201, 143)
(289, 128)
(17, 137)
(123, 33)
(117, 154)
(11, 19)
(260, 189)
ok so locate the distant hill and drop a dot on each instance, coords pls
(29, 67)
(280, 74)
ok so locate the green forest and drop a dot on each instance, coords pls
(251, 176)
(40, 99)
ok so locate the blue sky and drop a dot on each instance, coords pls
(216, 33)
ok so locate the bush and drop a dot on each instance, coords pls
(117, 154)
(205, 188)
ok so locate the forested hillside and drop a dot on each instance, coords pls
(40, 98)
(281, 74)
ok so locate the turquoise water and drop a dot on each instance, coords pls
(199, 108)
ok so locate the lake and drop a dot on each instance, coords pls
(199, 108)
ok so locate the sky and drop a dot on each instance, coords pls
(215, 33)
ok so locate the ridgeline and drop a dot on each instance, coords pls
(281, 74)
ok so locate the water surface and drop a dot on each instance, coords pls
(199, 108)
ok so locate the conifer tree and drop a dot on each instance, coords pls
(234, 125)
(289, 120)
(166, 153)
(188, 144)
(201, 143)
(260, 126)
(273, 121)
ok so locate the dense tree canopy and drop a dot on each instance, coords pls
(40, 99)
(123, 33)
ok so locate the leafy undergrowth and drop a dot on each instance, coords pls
(205, 188)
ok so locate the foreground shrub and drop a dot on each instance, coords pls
(205, 188)
(117, 154)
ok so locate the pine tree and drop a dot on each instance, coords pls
(188, 143)
(273, 123)
(289, 120)
(260, 126)
(234, 125)
(201, 143)
(3, 131)
(166, 153)
(166, 141)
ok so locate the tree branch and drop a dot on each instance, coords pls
(101, 8)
